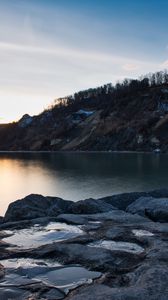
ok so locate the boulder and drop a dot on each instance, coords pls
(121, 201)
(154, 208)
(36, 206)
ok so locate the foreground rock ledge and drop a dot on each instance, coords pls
(119, 242)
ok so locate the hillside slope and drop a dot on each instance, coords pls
(131, 116)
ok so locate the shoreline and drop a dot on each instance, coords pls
(85, 152)
(113, 247)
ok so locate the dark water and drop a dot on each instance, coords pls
(77, 176)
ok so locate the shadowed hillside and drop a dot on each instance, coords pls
(132, 115)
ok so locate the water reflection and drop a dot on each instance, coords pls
(77, 176)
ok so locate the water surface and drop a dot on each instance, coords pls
(76, 176)
(40, 235)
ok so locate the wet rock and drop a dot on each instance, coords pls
(34, 291)
(140, 232)
(122, 238)
(145, 283)
(91, 257)
(154, 208)
(118, 246)
(27, 223)
(75, 253)
(68, 278)
(45, 282)
(40, 235)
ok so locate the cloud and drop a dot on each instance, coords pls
(127, 63)
(164, 64)
(130, 67)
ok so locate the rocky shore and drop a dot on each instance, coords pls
(114, 247)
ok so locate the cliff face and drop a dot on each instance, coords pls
(135, 120)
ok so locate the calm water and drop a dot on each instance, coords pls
(77, 176)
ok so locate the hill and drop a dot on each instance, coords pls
(132, 115)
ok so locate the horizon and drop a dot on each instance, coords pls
(52, 49)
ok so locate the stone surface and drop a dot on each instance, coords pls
(154, 208)
(121, 201)
(2, 271)
(120, 252)
(36, 206)
(90, 206)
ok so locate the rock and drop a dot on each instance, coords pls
(155, 141)
(35, 206)
(92, 292)
(75, 253)
(118, 246)
(54, 142)
(2, 271)
(15, 293)
(140, 139)
(121, 201)
(71, 219)
(115, 216)
(53, 294)
(146, 282)
(154, 208)
(39, 235)
(118, 216)
(90, 206)
(25, 121)
(124, 238)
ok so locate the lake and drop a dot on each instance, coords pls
(76, 176)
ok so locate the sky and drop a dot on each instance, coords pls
(53, 48)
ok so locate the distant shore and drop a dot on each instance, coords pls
(80, 151)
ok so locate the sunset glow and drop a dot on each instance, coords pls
(50, 49)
